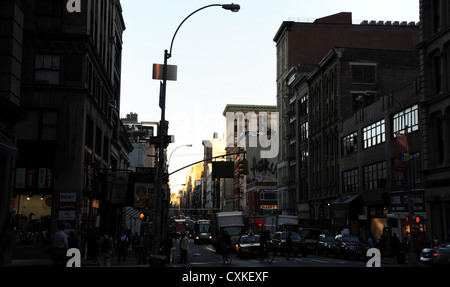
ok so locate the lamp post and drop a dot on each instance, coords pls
(157, 213)
(187, 145)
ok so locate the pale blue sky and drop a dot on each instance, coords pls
(222, 58)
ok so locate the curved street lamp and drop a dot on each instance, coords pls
(157, 218)
(232, 7)
(170, 156)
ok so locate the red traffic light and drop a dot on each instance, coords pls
(419, 219)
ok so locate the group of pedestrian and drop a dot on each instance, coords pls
(102, 247)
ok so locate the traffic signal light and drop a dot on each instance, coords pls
(416, 219)
(419, 219)
(143, 216)
(243, 167)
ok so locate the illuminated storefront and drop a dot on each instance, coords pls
(32, 203)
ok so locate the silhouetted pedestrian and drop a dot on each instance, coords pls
(167, 246)
(106, 244)
(395, 245)
(184, 247)
(142, 246)
(123, 246)
(60, 246)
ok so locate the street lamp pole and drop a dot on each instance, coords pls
(158, 222)
(170, 156)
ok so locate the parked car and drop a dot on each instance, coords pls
(325, 244)
(436, 256)
(248, 245)
(349, 245)
(298, 246)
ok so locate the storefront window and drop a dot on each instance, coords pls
(33, 218)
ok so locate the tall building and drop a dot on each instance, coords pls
(139, 133)
(435, 103)
(343, 119)
(73, 137)
(212, 148)
(11, 42)
(301, 46)
(253, 129)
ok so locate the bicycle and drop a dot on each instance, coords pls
(269, 252)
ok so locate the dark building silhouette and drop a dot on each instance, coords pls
(64, 74)
(434, 49)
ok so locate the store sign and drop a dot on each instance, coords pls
(89, 175)
(267, 206)
(30, 178)
(399, 201)
(67, 210)
(117, 187)
(142, 190)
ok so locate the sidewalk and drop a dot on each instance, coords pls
(391, 262)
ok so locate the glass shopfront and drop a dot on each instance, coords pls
(33, 220)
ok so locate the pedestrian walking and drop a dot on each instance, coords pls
(395, 245)
(370, 241)
(382, 244)
(436, 241)
(142, 246)
(92, 247)
(167, 246)
(184, 247)
(72, 240)
(123, 247)
(134, 244)
(263, 244)
(288, 244)
(60, 245)
(106, 244)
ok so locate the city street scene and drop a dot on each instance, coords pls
(190, 135)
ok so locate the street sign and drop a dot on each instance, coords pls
(171, 72)
(399, 201)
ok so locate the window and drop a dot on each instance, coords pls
(350, 180)
(375, 176)
(400, 178)
(409, 117)
(40, 125)
(304, 158)
(268, 194)
(303, 109)
(363, 73)
(49, 124)
(350, 144)
(304, 131)
(374, 134)
(49, 15)
(47, 69)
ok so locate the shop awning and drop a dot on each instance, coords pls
(345, 199)
(345, 209)
(7, 147)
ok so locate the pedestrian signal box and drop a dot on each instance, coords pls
(143, 216)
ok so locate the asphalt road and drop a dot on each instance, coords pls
(204, 255)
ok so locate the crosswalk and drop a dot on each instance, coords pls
(310, 261)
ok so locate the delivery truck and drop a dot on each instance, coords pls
(232, 222)
(280, 222)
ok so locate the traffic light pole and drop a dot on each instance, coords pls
(159, 219)
(158, 223)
